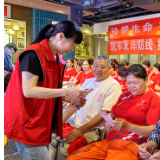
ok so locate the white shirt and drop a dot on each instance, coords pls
(103, 96)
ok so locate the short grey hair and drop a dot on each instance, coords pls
(103, 57)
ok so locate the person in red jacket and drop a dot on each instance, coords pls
(33, 99)
(155, 80)
(69, 71)
(126, 63)
(121, 79)
(112, 71)
(146, 65)
(79, 70)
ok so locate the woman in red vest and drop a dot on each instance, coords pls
(33, 100)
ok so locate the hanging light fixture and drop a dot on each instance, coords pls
(15, 26)
(10, 32)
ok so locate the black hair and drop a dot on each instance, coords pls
(147, 63)
(122, 71)
(70, 30)
(157, 65)
(76, 59)
(71, 59)
(79, 63)
(114, 61)
(137, 70)
(126, 63)
(90, 61)
(11, 45)
(113, 66)
(120, 65)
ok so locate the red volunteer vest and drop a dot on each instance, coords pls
(29, 120)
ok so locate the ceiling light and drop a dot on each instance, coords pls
(128, 4)
(10, 32)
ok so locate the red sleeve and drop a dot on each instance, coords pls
(79, 76)
(149, 71)
(158, 83)
(113, 110)
(153, 113)
(156, 78)
(74, 73)
(91, 75)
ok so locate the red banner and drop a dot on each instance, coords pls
(5, 10)
(138, 37)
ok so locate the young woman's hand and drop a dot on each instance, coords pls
(74, 93)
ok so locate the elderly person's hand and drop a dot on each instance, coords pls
(120, 124)
(143, 148)
(73, 135)
(149, 147)
(109, 128)
(156, 156)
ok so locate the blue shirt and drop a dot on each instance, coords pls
(155, 136)
(7, 60)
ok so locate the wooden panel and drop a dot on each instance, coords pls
(43, 5)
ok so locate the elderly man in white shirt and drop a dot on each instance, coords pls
(104, 95)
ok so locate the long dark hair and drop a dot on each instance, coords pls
(70, 30)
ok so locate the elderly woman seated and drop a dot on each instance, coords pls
(135, 116)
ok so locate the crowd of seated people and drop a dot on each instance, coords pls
(135, 114)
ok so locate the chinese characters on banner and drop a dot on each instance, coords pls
(138, 37)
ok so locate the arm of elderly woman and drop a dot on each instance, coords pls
(31, 90)
(121, 124)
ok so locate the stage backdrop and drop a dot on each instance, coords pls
(138, 37)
